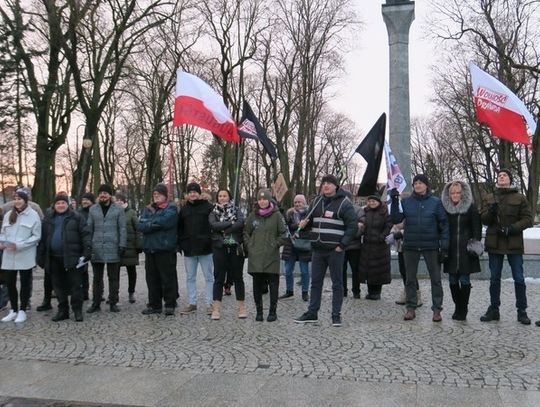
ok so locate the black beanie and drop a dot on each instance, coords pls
(90, 196)
(61, 197)
(105, 188)
(193, 186)
(161, 189)
(507, 172)
(331, 179)
(422, 178)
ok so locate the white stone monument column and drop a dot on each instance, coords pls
(398, 16)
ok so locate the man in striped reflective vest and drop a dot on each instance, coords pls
(333, 223)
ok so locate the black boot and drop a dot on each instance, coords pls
(78, 314)
(60, 316)
(45, 305)
(272, 316)
(456, 297)
(492, 314)
(465, 293)
(523, 317)
(94, 308)
(259, 316)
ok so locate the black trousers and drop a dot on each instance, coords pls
(47, 285)
(66, 282)
(85, 282)
(352, 257)
(10, 278)
(132, 278)
(161, 279)
(228, 264)
(260, 281)
(113, 273)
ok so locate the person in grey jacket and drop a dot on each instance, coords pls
(107, 226)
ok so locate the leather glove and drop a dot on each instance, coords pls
(494, 208)
(390, 239)
(443, 256)
(394, 193)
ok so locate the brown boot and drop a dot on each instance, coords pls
(242, 310)
(216, 310)
(437, 316)
(409, 315)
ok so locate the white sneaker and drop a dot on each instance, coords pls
(21, 316)
(10, 317)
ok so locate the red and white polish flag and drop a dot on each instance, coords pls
(198, 104)
(500, 109)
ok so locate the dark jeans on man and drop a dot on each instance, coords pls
(260, 282)
(66, 282)
(132, 278)
(113, 273)
(352, 258)
(228, 264)
(495, 268)
(10, 278)
(320, 261)
(431, 257)
(161, 279)
(402, 270)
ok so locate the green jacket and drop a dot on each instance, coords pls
(262, 238)
(134, 239)
(513, 211)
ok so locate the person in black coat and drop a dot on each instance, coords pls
(464, 224)
(87, 200)
(65, 242)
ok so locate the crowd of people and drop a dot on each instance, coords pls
(330, 233)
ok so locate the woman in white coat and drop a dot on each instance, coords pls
(19, 237)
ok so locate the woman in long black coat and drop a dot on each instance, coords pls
(464, 224)
(375, 254)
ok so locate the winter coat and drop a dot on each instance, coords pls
(427, 223)
(133, 239)
(221, 230)
(25, 233)
(108, 233)
(262, 238)
(333, 221)
(194, 228)
(464, 224)
(374, 265)
(159, 227)
(356, 242)
(75, 239)
(514, 212)
(292, 225)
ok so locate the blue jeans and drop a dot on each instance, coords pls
(191, 263)
(495, 268)
(289, 277)
(459, 279)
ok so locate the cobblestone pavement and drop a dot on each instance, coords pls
(373, 345)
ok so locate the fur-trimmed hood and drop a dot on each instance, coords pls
(463, 205)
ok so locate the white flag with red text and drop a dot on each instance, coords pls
(199, 105)
(500, 109)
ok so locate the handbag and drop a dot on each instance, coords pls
(475, 247)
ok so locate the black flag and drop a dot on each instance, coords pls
(371, 148)
(250, 127)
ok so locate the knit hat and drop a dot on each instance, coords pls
(422, 178)
(193, 186)
(161, 189)
(89, 195)
(264, 194)
(105, 188)
(374, 196)
(331, 179)
(61, 197)
(25, 190)
(507, 172)
(119, 196)
(21, 193)
(300, 197)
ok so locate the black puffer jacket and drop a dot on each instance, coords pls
(194, 228)
(292, 224)
(374, 263)
(464, 224)
(75, 238)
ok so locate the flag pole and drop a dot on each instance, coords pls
(237, 175)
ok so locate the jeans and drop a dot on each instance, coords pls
(113, 273)
(320, 261)
(459, 279)
(191, 263)
(289, 274)
(402, 271)
(495, 268)
(228, 264)
(431, 257)
(66, 283)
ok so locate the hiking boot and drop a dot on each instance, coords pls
(169, 311)
(242, 310)
(306, 318)
(492, 314)
(336, 320)
(60, 316)
(259, 316)
(288, 294)
(409, 315)
(437, 317)
(216, 310)
(189, 309)
(523, 318)
(272, 316)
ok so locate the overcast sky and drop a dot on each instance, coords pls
(363, 94)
